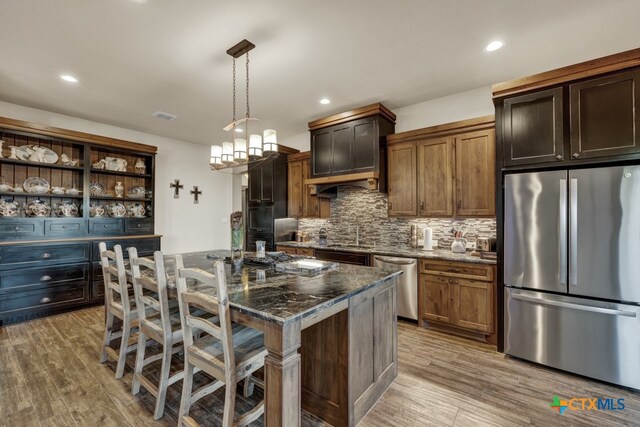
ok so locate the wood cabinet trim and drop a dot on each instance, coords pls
(73, 135)
(343, 178)
(606, 64)
(358, 113)
(296, 157)
(446, 129)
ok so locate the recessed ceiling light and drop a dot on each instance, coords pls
(325, 101)
(68, 78)
(239, 130)
(494, 45)
(164, 115)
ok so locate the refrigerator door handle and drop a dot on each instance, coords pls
(569, 305)
(562, 228)
(573, 232)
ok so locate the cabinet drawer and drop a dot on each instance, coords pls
(107, 227)
(138, 226)
(306, 252)
(286, 249)
(458, 269)
(34, 255)
(20, 229)
(97, 291)
(343, 257)
(64, 227)
(58, 274)
(43, 299)
(144, 246)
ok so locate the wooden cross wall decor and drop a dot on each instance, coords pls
(195, 192)
(177, 187)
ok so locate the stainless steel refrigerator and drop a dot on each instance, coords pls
(572, 271)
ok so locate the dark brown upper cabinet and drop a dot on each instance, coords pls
(261, 183)
(351, 147)
(604, 117)
(533, 129)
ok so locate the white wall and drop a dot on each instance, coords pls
(459, 106)
(184, 225)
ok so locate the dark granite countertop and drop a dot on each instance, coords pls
(441, 254)
(281, 297)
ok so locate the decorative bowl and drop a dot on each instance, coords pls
(57, 190)
(73, 191)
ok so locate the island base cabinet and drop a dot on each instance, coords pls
(350, 358)
(373, 347)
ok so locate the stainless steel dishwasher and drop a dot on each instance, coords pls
(407, 290)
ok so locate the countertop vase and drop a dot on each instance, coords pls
(459, 246)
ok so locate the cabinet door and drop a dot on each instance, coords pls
(342, 137)
(266, 182)
(310, 205)
(296, 189)
(473, 305)
(402, 179)
(475, 173)
(365, 145)
(435, 297)
(254, 185)
(435, 177)
(322, 155)
(604, 116)
(533, 130)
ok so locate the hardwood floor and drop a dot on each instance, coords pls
(50, 376)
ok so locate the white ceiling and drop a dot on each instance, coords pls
(134, 59)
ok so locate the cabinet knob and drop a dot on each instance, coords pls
(422, 205)
(45, 278)
(45, 300)
(559, 157)
(576, 155)
(45, 255)
(64, 227)
(105, 226)
(450, 280)
(16, 228)
(138, 225)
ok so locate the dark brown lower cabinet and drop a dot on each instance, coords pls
(458, 297)
(350, 358)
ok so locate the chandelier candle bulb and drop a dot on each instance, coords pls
(270, 141)
(227, 153)
(216, 155)
(255, 145)
(240, 150)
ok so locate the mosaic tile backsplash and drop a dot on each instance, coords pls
(376, 228)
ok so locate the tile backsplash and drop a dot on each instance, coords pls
(377, 228)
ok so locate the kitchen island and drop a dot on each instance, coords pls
(332, 338)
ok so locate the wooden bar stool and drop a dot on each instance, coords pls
(156, 321)
(118, 304)
(227, 351)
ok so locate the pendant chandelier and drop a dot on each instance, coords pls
(237, 154)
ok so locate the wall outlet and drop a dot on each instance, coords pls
(471, 245)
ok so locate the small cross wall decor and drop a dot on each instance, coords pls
(195, 193)
(177, 187)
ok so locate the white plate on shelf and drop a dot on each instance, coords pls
(97, 189)
(8, 208)
(116, 210)
(38, 208)
(36, 185)
(66, 209)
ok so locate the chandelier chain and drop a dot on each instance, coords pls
(234, 90)
(248, 112)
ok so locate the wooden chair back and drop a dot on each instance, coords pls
(191, 300)
(149, 281)
(116, 293)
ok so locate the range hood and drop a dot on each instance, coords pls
(350, 148)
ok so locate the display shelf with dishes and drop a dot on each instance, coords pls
(50, 216)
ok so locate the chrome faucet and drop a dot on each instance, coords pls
(353, 214)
